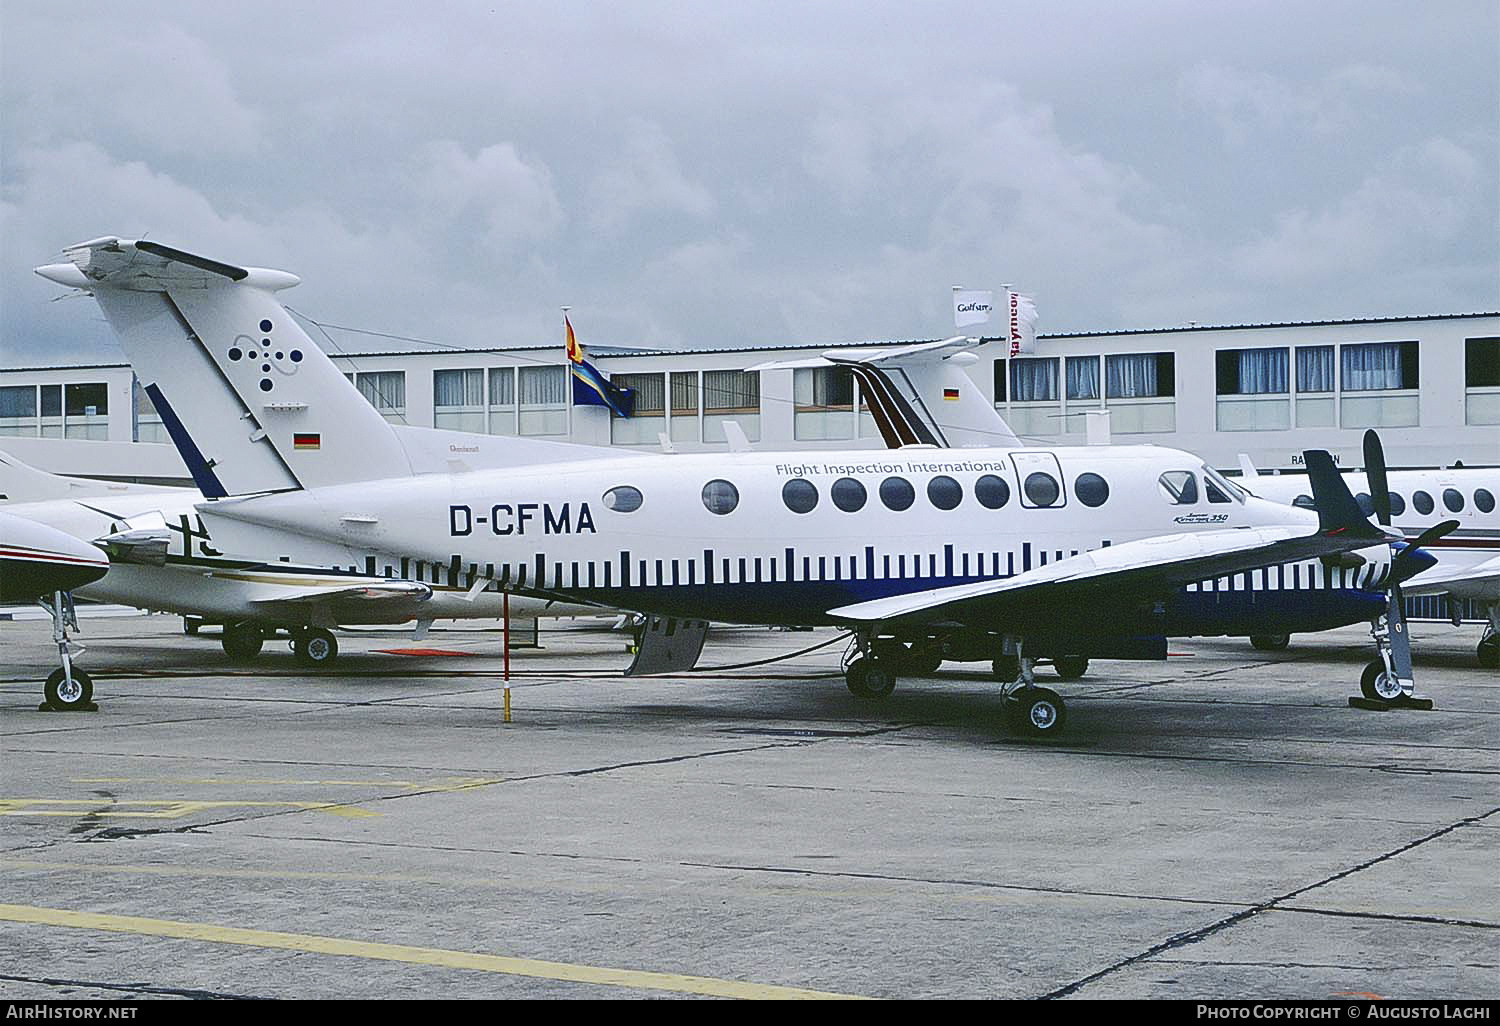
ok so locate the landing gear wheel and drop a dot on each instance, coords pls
(1006, 668)
(315, 647)
(855, 675)
(1270, 642)
(880, 680)
(1037, 712)
(1378, 685)
(1071, 667)
(64, 694)
(1489, 652)
(242, 641)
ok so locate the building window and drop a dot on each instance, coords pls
(1315, 369)
(458, 400)
(1482, 380)
(1033, 381)
(148, 423)
(386, 391)
(1083, 377)
(1252, 390)
(543, 400)
(1140, 375)
(822, 403)
(18, 411)
(731, 395)
(648, 420)
(86, 411)
(1378, 369)
(502, 401)
(682, 387)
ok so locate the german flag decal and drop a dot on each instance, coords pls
(950, 393)
(306, 441)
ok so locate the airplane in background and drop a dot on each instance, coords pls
(1062, 553)
(1468, 559)
(41, 564)
(162, 558)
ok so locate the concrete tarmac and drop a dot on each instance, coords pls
(1222, 825)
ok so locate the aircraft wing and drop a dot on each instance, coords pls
(1442, 579)
(363, 592)
(1134, 571)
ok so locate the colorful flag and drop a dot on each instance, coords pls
(1022, 325)
(591, 388)
(301, 440)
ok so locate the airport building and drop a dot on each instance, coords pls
(1431, 385)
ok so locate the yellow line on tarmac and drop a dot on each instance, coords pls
(510, 966)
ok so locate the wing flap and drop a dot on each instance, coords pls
(370, 591)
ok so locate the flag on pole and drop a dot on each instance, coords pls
(972, 306)
(1021, 313)
(590, 387)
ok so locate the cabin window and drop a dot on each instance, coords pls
(944, 493)
(1423, 502)
(1304, 502)
(991, 491)
(897, 493)
(1091, 489)
(623, 499)
(1042, 489)
(1453, 499)
(848, 495)
(800, 495)
(1398, 504)
(1484, 500)
(720, 497)
(1365, 503)
(1181, 486)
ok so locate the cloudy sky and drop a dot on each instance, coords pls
(689, 175)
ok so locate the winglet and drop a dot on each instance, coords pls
(1338, 513)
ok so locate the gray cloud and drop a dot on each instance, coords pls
(759, 173)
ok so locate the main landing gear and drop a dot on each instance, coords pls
(68, 688)
(871, 668)
(313, 646)
(1489, 645)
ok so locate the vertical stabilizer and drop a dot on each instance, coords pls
(251, 403)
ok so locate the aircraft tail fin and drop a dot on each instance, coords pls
(252, 404)
(21, 482)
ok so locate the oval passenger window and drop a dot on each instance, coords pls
(623, 499)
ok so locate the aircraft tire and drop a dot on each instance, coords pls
(1071, 667)
(1270, 642)
(922, 660)
(61, 695)
(1488, 652)
(880, 680)
(1377, 685)
(315, 647)
(1037, 712)
(242, 641)
(854, 677)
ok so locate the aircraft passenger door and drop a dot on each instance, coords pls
(1041, 478)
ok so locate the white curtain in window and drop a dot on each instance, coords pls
(684, 393)
(458, 388)
(385, 390)
(650, 392)
(1129, 375)
(1033, 381)
(731, 390)
(1315, 369)
(823, 386)
(1263, 371)
(1374, 366)
(1083, 377)
(544, 386)
(502, 386)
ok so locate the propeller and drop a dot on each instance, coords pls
(1408, 561)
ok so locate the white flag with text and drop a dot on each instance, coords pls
(1021, 318)
(972, 306)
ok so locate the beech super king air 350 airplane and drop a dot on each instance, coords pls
(1057, 553)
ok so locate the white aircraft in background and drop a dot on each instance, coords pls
(40, 564)
(162, 558)
(1060, 553)
(1468, 559)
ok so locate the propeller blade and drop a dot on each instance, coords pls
(1412, 552)
(1400, 640)
(1380, 491)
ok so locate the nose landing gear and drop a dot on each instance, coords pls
(68, 688)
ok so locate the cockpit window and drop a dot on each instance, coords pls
(1228, 490)
(1214, 492)
(1181, 487)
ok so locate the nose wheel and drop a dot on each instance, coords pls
(67, 688)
